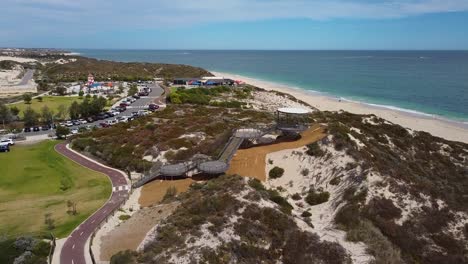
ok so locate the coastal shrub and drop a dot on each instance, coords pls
(305, 172)
(256, 184)
(276, 173)
(275, 197)
(384, 208)
(314, 198)
(335, 181)
(314, 150)
(306, 214)
(124, 257)
(124, 217)
(296, 197)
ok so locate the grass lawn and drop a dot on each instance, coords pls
(36, 180)
(52, 102)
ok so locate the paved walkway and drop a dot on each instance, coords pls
(74, 250)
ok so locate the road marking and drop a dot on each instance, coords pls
(73, 247)
(73, 262)
(81, 233)
(93, 221)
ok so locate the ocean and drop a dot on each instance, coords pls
(423, 82)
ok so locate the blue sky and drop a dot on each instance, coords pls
(235, 24)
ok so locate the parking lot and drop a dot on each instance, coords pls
(136, 108)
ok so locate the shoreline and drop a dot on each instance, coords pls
(437, 126)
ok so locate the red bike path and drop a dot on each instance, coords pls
(73, 250)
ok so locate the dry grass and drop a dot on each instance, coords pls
(251, 162)
(153, 192)
(129, 234)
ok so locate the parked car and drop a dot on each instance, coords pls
(90, 119)
(124, 104)
(45, 128)
(4, 148)
(27, 129)
(143, 93)
(153, 107)
(112, 122)
(36, 128)
(74, 131)
(131, 99)
(82, 121)
(7, 141)
(76, 122)
(104, 124)
(101, 116)
(69, 123)
(136, 96)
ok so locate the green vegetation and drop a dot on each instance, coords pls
(204, 96)
(31, 250)
(52, 102)
(265, 234)
(411, 163)
(124, 217)
(314, 198)
(314, 149)
(37, 181)
(117, 71)
(276, 172)
(124, 145)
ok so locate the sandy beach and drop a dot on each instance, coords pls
(455, 131)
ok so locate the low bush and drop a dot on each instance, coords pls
(306, 214)
(314, 198)
(124, 217)
(276, 173)
(296, 197)
(314, 150)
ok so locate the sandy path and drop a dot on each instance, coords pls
(153, 192)
(132, 232)
(251, 162)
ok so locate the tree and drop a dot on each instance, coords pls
(47, 115)
(39, 99)
(61, 132)
(85, 107)
(81, 93)
(133, 89)
(97, 105)
(60, 90)
(61, 112)
(74, 110)
(120, 88)
(14, 110)
(31, 117)
(5, 114)
(27, 98)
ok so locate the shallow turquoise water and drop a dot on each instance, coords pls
(431, 82)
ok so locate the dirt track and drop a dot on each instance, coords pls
(251, 162)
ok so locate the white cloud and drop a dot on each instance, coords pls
(85, 15)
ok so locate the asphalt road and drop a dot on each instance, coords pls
(73, 250)
(27, 77)
(139, 104)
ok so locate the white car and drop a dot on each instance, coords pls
(112, 122)
(7, 141)
(69, 123)
(82, 121)
(74, 131)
